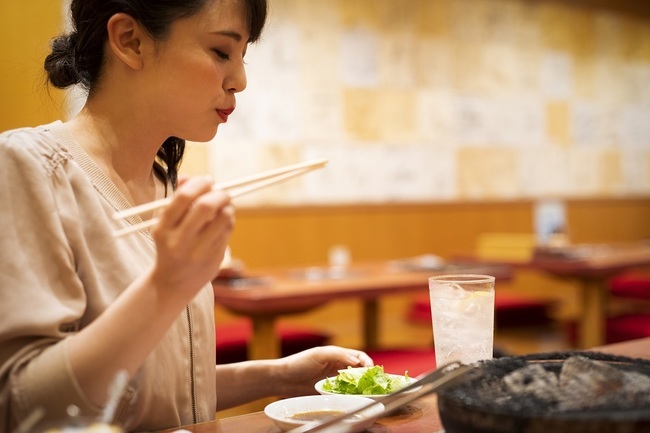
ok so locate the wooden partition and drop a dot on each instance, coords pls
(609, 220)
(302, 235)
(26, 30)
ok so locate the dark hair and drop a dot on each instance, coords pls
(77, 57)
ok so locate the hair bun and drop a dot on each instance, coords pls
(60, 64)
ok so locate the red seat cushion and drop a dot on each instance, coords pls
(509, 311)
(420, 311)
(513, 311)
(233, 337)
(618, 328)
(634, 285)
(399, 361)
(627, 327)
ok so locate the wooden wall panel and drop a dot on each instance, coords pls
(609, 220)
(26, 30)
(301, 236)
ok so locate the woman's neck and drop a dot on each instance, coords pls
(126, 156)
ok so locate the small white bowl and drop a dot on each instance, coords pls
(377, 397)
(284, 412)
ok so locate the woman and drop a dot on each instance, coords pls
(79, 305)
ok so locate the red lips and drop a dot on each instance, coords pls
(225, 113)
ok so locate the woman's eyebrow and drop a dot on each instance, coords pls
(233, 34)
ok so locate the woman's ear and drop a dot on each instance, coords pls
(126, 39)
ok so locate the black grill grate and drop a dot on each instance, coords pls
(485, 402)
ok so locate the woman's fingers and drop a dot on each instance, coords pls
(184, 197)
(195, 206)
(358, 358)
(192, 235)
(197, 221)
(209, 210)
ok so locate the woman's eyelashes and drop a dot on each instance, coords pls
(221, 54)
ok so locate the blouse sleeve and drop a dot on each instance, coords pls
(43, 298)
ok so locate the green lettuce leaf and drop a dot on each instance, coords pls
(365, 381)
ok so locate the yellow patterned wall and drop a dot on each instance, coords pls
(421, 100)
(411, 100)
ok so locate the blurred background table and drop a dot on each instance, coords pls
(266, 295)
(592, 267)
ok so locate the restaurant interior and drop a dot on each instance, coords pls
(470, 135)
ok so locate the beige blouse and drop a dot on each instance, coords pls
(61, 267)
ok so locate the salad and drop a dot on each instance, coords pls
(365, 381)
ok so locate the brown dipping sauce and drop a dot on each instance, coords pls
(320, 415)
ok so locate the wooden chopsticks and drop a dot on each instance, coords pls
(235, 188)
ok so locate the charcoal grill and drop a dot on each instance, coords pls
(471, 406)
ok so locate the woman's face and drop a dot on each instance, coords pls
(197, 69)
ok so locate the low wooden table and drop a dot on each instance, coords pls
(420, 416)
(592, 267)
(266, 295)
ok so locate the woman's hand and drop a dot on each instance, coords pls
(294, 375)
(300, 372)
(191, 236)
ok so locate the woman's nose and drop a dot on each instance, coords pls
(236, 80)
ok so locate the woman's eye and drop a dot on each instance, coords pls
(222, 55)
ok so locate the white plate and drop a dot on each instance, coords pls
(319, 388)
(283, 411)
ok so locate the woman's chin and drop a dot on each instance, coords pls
(203, 136)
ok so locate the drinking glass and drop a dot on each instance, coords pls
(462, 311)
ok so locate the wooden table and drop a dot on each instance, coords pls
(419, 417)
(266, 295)
(591, 267)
